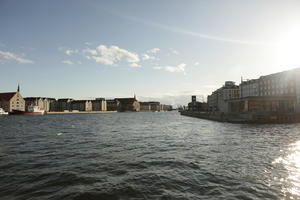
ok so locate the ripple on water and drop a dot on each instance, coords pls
(146, 156)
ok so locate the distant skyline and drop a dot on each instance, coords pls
(158, 50)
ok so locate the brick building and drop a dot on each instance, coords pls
(12, 101)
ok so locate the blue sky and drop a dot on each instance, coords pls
(160, 49)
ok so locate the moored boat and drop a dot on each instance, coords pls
(31, 110)
(2, 112)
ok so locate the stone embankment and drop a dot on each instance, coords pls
(247, 117)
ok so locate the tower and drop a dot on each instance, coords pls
(18, 90)
(134, 97)
(194, 98)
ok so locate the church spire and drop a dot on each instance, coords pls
(134, 96)
(18, 90)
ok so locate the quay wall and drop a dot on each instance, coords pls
(247, 117)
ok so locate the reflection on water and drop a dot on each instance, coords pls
(291, 163)
(146, 156)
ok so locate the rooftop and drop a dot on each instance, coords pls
(6, 96)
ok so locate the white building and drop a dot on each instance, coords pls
(217, 101)
(249, 88)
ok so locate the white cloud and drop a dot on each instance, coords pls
(147, 57)
(70, 51)
(68, 62)
(135, 65)
(154, 50)
(179, 68)
(194, 34)
(196, 63)
(103, 60)
(174, 51)
(158, 67)
(90, 51)
(113, 54)
(10, 56)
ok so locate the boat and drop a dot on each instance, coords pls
(2, 112)
(31, 110)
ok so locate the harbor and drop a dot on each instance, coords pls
(273, 98)
(108, 156)
(150, 100)
(14, 104)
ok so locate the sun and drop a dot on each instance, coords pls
(287, 50)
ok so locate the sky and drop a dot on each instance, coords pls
(164, 50)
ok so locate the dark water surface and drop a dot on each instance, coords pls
(146, 156)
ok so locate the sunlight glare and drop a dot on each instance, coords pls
(291, 163)
(287, 51)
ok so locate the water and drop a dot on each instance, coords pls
(146, 156)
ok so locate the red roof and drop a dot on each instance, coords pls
(6, 96)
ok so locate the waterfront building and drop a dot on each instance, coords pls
(81, 105)
(128, 104)
(281, 104)
(212, 101)
(270, 95)
(62, 105)
(12, 101)
(218, 100)
(274, 89)
(145, 106)
(99, 104)
(161, 108)
(42, 102)
(278, 84)
(167, 107)
(249, 88)
(154, 106)
(195, 105)
(112, 104)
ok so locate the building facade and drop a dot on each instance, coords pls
(12, 101)
(145, 106)
(249, 88)
(99, 104)
(259, 104)
(42, 102)
(154, 106)
(279, 84)
(196, 106)
(62, 105)
(128, 104)
(112, 104)
(271, 93)
(167, 107)
(218, 100)
(81, 105)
